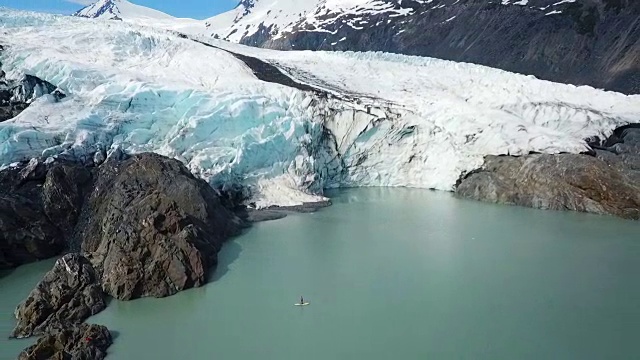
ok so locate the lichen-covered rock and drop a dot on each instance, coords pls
(151, 228)
(68, 294)
(71, 342)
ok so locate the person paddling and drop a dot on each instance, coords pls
(301, 300)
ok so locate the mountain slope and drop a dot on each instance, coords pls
(372, 119)
(593, 42)
(119, 9)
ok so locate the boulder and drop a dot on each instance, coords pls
(71, 342)
(68, 294)
(151, 228)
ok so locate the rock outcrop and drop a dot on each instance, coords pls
(63, 193)
(151, 228)
(145, 222)
(15, 96)
(76, 342)
(26, 234)
(607, 183)
(39, 207)
(66, 296)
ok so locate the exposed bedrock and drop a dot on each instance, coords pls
(607, 183)
(147, 224)
(151, 228)
(74, 342)
(38, 209)
(67, 295)
(144, 224)
(17, 94)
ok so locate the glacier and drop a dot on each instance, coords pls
(375, 119)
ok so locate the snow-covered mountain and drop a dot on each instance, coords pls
(119, 9)
(126, 11)
(592, 42)
(281, 126)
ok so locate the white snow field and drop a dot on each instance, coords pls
(392, 120)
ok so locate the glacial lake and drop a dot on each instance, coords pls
(393, 274)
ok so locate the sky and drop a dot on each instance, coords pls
(197, 9)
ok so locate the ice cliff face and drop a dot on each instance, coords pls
(374, 119)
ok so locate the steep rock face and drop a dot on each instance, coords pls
(603, 184)
(39, 207)
(68, 294)
(595, 42)
(77, 342)
(64, 191)
(151, 228)
(26, 234)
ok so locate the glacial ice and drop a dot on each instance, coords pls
(391, 120)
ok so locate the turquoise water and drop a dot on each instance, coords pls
(399, 273)
(15, 285)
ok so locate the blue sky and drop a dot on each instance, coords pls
(197, 9)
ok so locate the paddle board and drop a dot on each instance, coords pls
(303, 304)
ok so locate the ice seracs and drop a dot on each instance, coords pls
(376, 120)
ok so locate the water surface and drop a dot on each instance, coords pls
(15, 286)
(400, 273)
